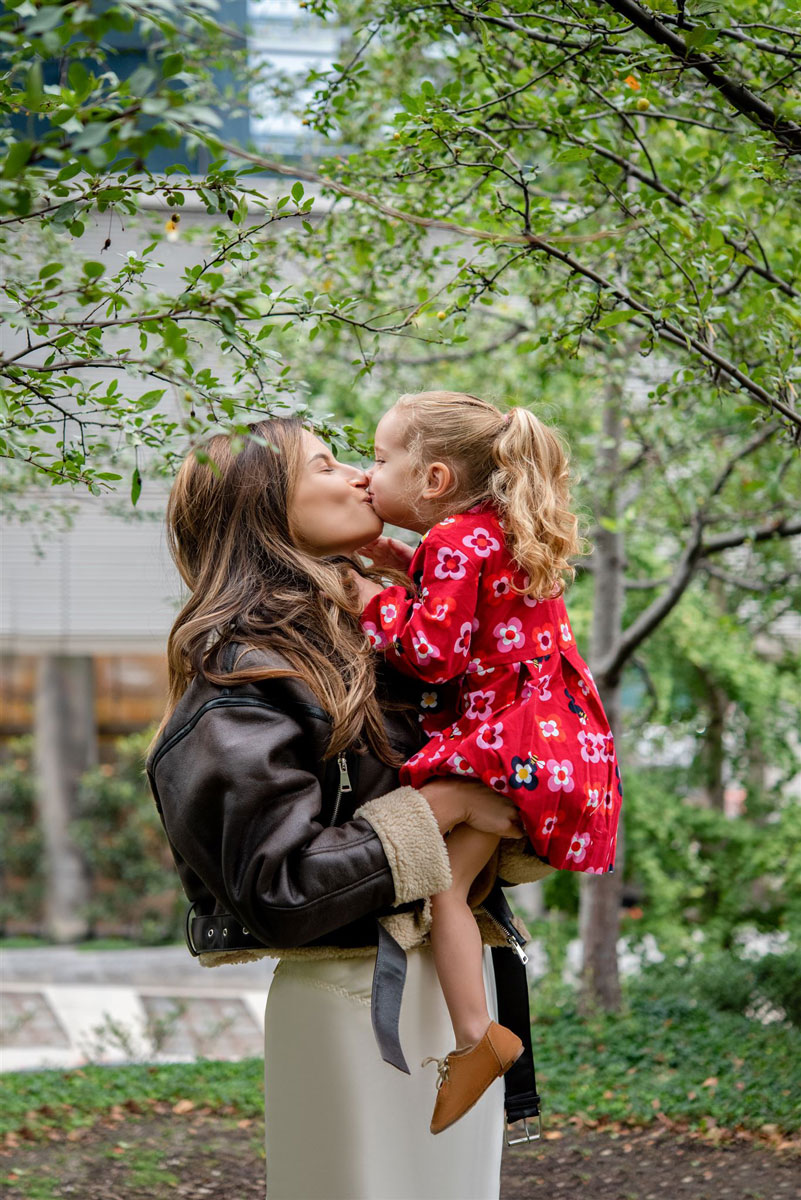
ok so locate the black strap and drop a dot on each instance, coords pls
(389, 976)
(511, 984)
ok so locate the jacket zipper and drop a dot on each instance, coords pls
(344, 784)
(511, 936)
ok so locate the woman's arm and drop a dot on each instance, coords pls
(243, 813)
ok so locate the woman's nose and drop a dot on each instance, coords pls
(360, 478)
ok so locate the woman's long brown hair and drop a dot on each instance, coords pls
(229, 533)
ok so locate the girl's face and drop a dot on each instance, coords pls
(330, 511)
(394, 489)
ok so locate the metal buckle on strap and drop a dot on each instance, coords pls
(528, 1136)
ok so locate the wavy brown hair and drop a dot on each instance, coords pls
(511, 459)
(229, 533)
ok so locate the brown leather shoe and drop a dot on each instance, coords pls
(464, 1075)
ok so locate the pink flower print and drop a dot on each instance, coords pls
(549, 825)
(583, 687)
(590, 750)
(455, 732)
(578, 847)
(498, 587)
(450, 564)
(476, 667)
(489, 736)
(479, 705)
(377, 639)
(482, 542)
(443, 608)
(447, 521)
(593, 797)
(543, 638)
(607, 743)
(565, 634)
(541, 684)
(389, 613)
(498, 782)
(428, 700)
(550, 729)
(423, 648)
(459, 765)
(594, 871)
(608, 801)
(526, 691)
(561, 775)
(529, 601)
(509, 634)
(462, 643)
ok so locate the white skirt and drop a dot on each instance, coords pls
(342, 1124)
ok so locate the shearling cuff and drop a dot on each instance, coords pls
(517, 862)
(413, 844)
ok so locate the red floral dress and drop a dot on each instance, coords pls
(510, 699)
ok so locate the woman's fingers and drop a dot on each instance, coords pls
(457, 801)
(492, 813)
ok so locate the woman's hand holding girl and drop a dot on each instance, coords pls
(459, 802)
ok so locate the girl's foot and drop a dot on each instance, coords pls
(464, 1075)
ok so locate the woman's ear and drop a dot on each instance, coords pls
(439, 480)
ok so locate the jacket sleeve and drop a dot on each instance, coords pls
(428, 635)
(242, 813)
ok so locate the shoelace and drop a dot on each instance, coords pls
(443, 1070)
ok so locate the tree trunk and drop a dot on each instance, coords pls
(66, 746)
(599, 905)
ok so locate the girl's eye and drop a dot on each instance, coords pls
(378, 462)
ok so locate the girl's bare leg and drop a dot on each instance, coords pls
(456, 940)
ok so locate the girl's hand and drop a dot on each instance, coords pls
(388, 552)
(367, 588)
(459, 802)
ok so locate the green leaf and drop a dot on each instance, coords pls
(297, 192)
(16, 159)
(617, 317)
(93, 269)
(34, 87)
(136, 485)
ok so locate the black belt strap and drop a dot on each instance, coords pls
(389, 976)
(520, 1082)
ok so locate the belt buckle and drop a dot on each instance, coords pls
(528, 1135)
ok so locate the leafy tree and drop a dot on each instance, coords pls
(590, 206)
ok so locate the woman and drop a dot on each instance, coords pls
(275, 772)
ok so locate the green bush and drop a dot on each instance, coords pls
(778, 978)
(22, 867)
(135, 889)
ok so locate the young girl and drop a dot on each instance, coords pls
(510, 700)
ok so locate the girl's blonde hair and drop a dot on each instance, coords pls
(511, 459)
(229, 533)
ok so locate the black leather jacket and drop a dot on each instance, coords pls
(261, 825)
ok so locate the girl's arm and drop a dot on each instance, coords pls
(428, 634)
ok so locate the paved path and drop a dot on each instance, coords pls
(65, 1006)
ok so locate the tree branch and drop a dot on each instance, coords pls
(752, 107)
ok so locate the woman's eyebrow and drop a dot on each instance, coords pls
(322, 454)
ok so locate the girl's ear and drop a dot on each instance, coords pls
(439, 480)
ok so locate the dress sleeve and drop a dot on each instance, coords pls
(427, 634)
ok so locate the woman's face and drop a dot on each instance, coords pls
(330, 511)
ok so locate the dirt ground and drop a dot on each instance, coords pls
(202, 1156)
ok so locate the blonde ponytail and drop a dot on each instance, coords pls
(530, 487)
